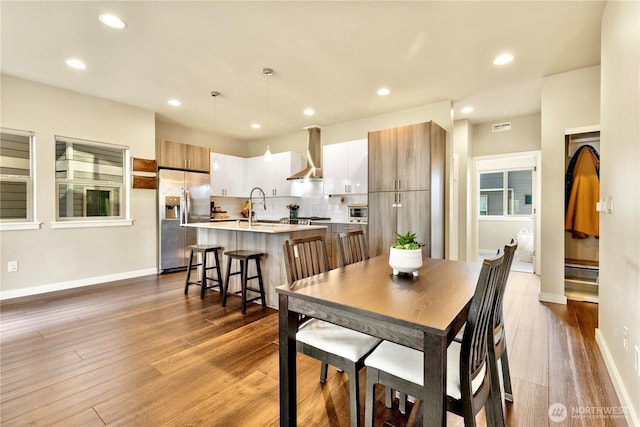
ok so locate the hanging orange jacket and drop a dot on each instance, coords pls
(582, 218)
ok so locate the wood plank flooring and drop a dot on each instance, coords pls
(140, 353)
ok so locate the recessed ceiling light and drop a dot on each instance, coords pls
(255, 125)
(466, 110)
(112, 21)
(308, 112)
(383, 91)
(76, 63)
(174, 102)
(505, 58)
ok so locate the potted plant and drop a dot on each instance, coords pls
(405, 256)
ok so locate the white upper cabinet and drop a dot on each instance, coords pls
(253, 174)
(227, 175)
(345, 167)
(272, 176)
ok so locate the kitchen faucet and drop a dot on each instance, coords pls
(263, 203)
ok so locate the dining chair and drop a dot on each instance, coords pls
(468, 372)
(499, 350)
(331, 344)
(351, 247)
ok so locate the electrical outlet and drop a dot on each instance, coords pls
(625, 338)
(12, 266)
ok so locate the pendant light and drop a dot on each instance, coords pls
(215, 94)
(267, 72)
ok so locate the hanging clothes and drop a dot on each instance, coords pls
(582, 192)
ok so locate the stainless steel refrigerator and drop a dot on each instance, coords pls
(183, 197)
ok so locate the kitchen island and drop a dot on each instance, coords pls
(264, 237)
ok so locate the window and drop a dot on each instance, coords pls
(16, 176)
(506, 193)
(90, 180)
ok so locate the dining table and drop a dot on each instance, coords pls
(424, 312)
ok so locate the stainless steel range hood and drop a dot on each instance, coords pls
(314, 156)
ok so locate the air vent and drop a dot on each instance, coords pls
(501, 127)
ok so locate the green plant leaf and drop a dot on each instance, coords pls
(407, 241)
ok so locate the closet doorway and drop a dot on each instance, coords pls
(505, 199)
(582, 219)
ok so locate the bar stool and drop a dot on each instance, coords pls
(244, 256)
(203, 250)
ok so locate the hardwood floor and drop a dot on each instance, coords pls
(141, 353)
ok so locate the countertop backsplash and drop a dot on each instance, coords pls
(313, 203)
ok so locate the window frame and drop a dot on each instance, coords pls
(124, 218)
(506, 193)
(30, 221)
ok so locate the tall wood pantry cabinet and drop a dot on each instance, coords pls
(406, 187)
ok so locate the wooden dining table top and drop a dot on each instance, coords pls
(430, 302)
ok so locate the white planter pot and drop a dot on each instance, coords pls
(405, 260)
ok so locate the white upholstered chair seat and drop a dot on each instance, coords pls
(407, 363)
(336, 339)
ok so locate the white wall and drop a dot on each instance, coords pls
(462, 178)
(620, 178)
(523, 136)
(51, 259)
(569, 100)
(439, 112)
(494, 233)
(218, 143)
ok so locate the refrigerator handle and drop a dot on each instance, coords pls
(187, 199)
(182, 206)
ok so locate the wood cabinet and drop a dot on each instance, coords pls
(406, 187)
(176, 155)
(400, 158)
(272, 176)
(332, 235)
(227, 175)
(345, 167)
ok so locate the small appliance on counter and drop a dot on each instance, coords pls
(358, 213)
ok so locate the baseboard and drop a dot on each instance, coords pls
(52, 287)
(556, 299)
(633, 418)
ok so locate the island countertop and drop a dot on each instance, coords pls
(255, 228)
(266, 238)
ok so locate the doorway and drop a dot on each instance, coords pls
(582, 193)
(505, 197)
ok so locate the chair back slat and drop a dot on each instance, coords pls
(352, 247)
(305, 257)
(505, 267)
(478, 330)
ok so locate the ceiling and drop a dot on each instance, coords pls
(331, 56)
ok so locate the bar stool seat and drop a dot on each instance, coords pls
(204, 281)
(244, 256)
